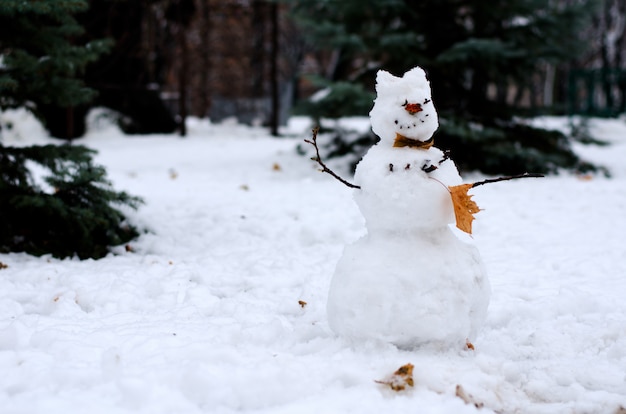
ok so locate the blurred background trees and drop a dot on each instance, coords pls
(488, 63)
(202, 58)
(255, 60)
(492, 66)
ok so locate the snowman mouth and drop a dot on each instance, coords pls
(402, 141)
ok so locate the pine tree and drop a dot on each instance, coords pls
(73, 210)
(40, 64)
(474, 52)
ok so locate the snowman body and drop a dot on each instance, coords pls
(410, 279)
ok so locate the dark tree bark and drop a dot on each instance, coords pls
(205, 58)
(183, 70)
(260, 9)
(274, 80)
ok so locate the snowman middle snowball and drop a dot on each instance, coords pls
(409, 280)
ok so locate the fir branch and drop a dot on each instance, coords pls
(509, 177)
(318, 159)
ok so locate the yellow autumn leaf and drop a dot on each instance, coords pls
(464, 206)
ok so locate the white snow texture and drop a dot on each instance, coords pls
(204, 315)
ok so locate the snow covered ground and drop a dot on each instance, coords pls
(221, 306)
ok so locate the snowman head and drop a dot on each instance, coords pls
(403, 108)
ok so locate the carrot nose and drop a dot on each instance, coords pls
(413, 108)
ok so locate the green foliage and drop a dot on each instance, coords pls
(580, 131)
(509, 149)
(469, 50)
(71, 212)
(40, 63)
(339, 99)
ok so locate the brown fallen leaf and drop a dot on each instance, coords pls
(400, 379)
(469, 345)
(3, 266)
(464, 206)
(276, 167)
(467, 398)
(302, 303)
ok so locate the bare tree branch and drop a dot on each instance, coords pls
(318, 159)
(510, 177)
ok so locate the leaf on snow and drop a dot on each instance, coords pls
(400, 379)
(464, 206)
(467, 398)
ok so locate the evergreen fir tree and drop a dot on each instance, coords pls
(466, 48)
(70, 213)
(40, 64)
(73, 211)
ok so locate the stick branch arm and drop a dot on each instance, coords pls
(507, 178)
(318, 159)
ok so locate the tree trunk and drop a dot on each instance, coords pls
(205, 33)
(259, 56)
(274, 78)
(548, 85)
(182, 72)
(70, 122)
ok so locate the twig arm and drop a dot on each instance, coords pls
(318, 159)
(509, 177)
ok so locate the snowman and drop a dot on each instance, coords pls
(410, 280)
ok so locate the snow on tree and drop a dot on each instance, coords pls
(73, 210)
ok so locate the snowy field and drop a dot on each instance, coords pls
(221, 306)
